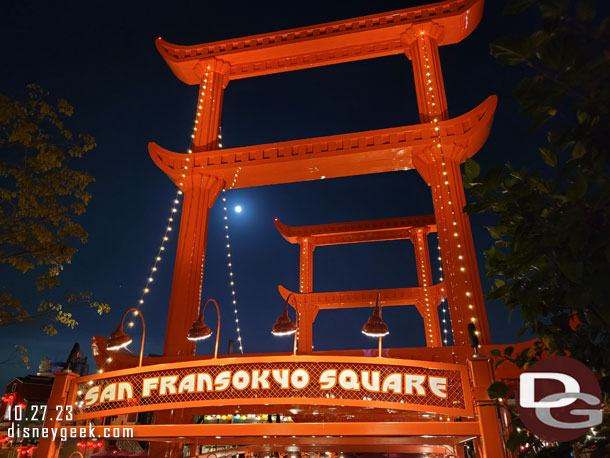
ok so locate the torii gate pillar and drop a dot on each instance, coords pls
(200, 193)
(439, 166)
(428, 307)
(307, 312)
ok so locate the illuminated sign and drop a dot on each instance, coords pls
(321, 380)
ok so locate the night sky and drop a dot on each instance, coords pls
(101, 56)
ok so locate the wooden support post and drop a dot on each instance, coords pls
(200, 193)
(460, 269)
(307, 247)
(440, 167)
(308, 316)
(490, 444)
(428, 306)
(214, 80)
(308, 311)
(47, 447)
(421, 47)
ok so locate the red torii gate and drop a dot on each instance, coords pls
(426, 297)
(435, 148)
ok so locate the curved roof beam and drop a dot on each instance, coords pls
(360, 153)
(335, 42)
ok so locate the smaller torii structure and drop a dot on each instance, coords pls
(426, 297)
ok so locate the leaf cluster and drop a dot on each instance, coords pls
(42, 195)
(550, 258)
(552, 250)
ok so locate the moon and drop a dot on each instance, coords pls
(238, 209)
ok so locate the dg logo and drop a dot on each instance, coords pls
(559, 399)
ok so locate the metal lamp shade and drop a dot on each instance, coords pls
(283, 325)
(375, 326)
(199, 331)
(118, 339)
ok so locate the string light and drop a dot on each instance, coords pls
(154, 269)
(235, 177)
(207, 80)
(173, 211)
(157, 258)
(431, 100)
(419, 243)
(445, 318)
(231, 278)
(303, 256)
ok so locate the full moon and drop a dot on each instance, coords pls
(238, 209)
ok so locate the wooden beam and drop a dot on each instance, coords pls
(365, 298)
(376, 151)
(336, 42)
(378, 230)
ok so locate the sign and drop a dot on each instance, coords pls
(559, 399)
(315, 380)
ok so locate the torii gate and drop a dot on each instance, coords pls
(426, 297)
(435, 148)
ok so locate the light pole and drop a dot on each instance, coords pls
(375, 326)
(200, 331)
(284, 326)
(118, 339)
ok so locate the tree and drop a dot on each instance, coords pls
(41, 198)
(551, 256)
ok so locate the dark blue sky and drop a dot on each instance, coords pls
(101, 57)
